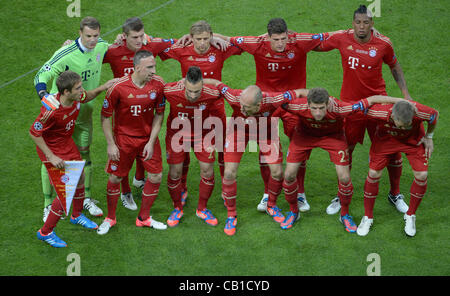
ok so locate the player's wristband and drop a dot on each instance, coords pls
(429, 135)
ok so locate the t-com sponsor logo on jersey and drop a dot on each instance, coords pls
(135, 110)
(272, 66)
(353, 62)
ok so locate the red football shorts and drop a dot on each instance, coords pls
(131, 148)
(177, 148)
(236, 143)
(382, 152)
(69, 151)
(301, 146)
(355, 128)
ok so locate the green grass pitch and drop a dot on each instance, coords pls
(317, 244)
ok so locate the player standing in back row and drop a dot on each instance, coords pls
(280, 60)
(83, 56)
(363, 51)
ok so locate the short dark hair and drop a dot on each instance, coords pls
(90, 22)
(362, 9)
(318, 95)
(132, 24)
(141, 54)
(276, 26)
(194, 75)
(403, 111)
(67, 80)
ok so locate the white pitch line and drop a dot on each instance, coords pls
(106, 34)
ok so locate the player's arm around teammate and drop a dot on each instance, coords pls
(399, 130)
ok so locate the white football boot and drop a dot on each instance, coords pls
(410, 224)
(138, 183)
(364, 226)
(398, 202)
(334, 206)
(90, 205)
(262, 206)
(128, 201)
(303, 205)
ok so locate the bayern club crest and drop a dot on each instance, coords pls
(65, 178)
(372, 53)
(291, 55)
(212, 58)
(152, 95)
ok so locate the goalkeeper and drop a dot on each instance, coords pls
(83, 56)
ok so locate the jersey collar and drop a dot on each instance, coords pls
(80, 45)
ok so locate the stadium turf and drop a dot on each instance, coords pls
(317, 244)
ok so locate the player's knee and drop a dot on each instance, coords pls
(155, 178)
(276, 173)
(375, 174)
(290, 176)
(343, 177)
(207, 172)
(421, 176)
(229, 174)
(175, 172)
(114, 179)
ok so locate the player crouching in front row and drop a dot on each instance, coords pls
(321, 125)
(399, 129)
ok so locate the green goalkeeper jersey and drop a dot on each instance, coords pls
(88, 64)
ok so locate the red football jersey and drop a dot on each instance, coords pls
(56, 126)
(270, 102)
(279, 71)
(120, 57)
(182, 109)
(134, 107)
(386, 131)
(362, 63)
(211, 62)
(332, 123)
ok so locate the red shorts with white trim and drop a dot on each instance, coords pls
(382, 153)
(178, 148)
(69, 151)
(236, 144)
(301, 146)
(131, 148)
